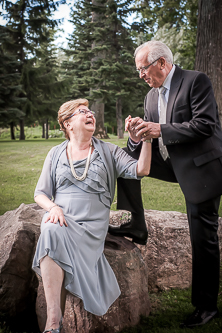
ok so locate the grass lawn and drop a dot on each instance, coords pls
(169, 309)
(21, 163)
(20, 166)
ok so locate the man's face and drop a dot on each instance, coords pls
(154, 75)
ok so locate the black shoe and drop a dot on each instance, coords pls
(138, 236)
(199, 317)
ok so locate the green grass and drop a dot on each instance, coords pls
(21, 163)
(20, 166)
(169, 309)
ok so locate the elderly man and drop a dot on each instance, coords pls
(181, 117)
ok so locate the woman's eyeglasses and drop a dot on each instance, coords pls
(82, 111)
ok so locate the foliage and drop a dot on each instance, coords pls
(10, 102)
(46, 86)
(173, 22)
(100, 56)
(78, 54)
(31, 31)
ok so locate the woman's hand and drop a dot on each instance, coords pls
(55, 215)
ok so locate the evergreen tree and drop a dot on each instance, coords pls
(79, 54)
(10, 102)
(115, 74)
(102, 58)
(44, 85)
(29, 23)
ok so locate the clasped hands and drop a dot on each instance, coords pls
(140, 130)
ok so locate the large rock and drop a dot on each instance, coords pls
(19, 231)
(132, 275)
(168, 250)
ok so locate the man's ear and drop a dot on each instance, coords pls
(162, 63)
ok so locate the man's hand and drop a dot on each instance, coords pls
(130, 126)
(55, 215)
(148, 130)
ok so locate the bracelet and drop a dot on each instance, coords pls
(148, 140)
(51, 207)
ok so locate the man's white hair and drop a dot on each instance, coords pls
(155, 50)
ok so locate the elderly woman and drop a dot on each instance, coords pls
(76, 188)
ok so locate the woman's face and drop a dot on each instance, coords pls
(82, 122)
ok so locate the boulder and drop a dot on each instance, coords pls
(19, 231)
(168, 250)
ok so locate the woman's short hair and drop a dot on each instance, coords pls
(156, 49)
(67, 109)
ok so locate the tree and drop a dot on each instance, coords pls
(80, 57)
(175, 23)
(10, 102)
(115, 73)
(78, 54)
(107, 69)
(44, 84)
(209, 44)
(28, 23)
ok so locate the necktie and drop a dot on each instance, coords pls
(162, 120)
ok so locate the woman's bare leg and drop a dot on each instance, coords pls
(52, 277)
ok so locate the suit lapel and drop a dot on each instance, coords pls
(174, 89)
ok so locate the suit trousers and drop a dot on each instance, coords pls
(203, 225)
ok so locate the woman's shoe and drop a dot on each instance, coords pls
(57, 330)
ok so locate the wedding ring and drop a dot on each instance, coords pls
(144, 134)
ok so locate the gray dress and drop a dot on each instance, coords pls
(78, 248)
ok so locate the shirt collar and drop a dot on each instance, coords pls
(167, 81)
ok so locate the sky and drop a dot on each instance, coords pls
(63, 13)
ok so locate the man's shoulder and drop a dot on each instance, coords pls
(187, 73)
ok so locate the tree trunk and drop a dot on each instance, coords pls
(12, 130)
(100, 131)
(46, 129)
(43, 130)
(22, 129)
(209, 45)
(119, 118)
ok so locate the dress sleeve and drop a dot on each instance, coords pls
(125, 165)
(45, 184)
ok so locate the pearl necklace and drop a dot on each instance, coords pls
(86, 167)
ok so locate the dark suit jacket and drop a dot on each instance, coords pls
(192, 134)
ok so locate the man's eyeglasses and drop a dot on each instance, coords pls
(143, 69)
(82, 111)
